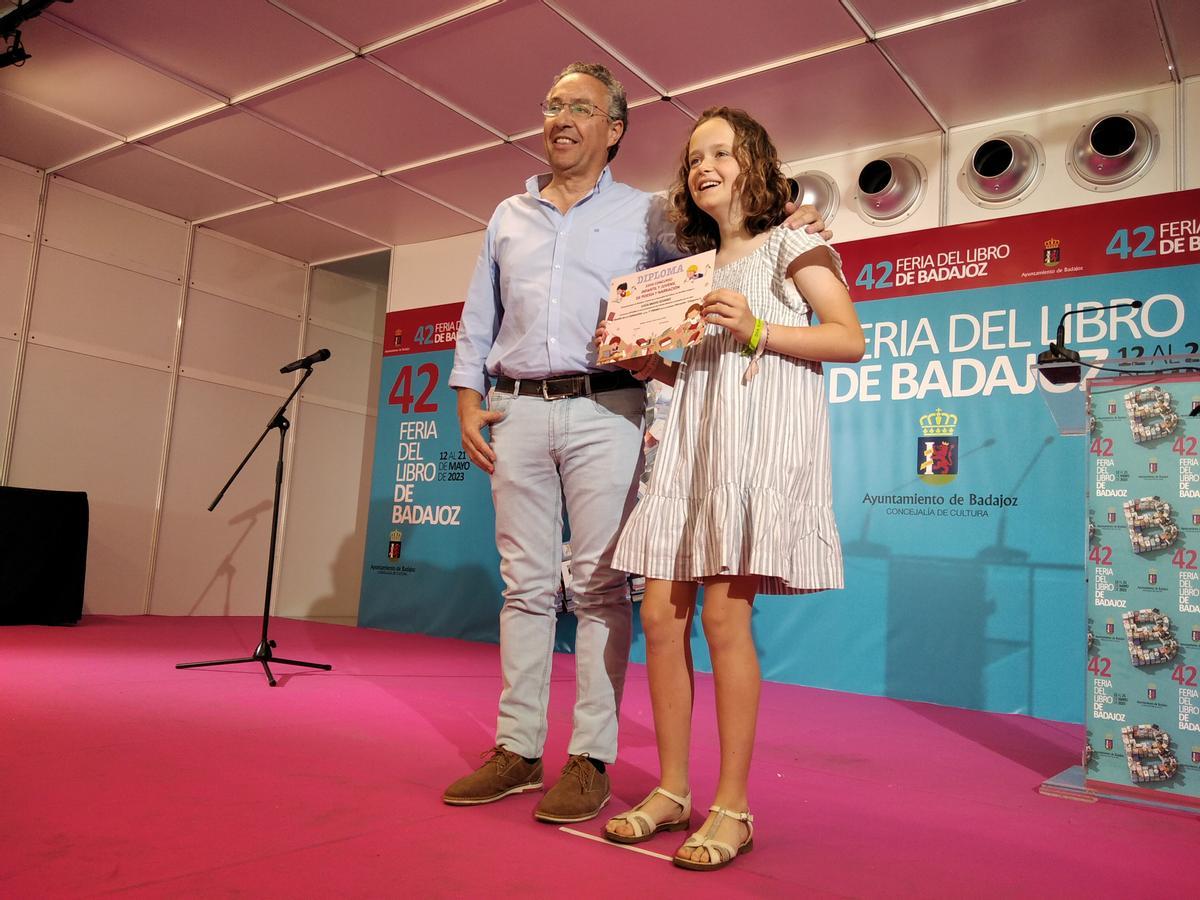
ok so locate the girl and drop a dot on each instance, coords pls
(740, 497)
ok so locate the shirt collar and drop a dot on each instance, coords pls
(537, 183)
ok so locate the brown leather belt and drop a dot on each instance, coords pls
(563, 387)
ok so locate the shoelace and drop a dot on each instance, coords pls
(578, 766)
(496, 753)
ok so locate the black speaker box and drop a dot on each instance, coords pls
(43, 556)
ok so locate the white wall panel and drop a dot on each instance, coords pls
(228, 269)
(1190, 139)
(351, 375)
(225, 339)
(330, 485)
(342, 301)
(14, 275)
(86, 223)
(1056, 131)
(433, 273)
(844, 170)
(87, 305)
(214, 563)
(326, 517)
(19, 188)
(87, 424)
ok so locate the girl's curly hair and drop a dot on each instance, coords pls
(762, 186)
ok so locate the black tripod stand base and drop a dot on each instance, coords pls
(263, 655)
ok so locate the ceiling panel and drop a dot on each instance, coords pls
(231, 46)
(432, 110)
(650, 152)
(881, 14)
(75, 75)
(240, 146)
(364, 22)
(481, 47)
(760, 31)
(477, 182)
(42, 139)
(362, 111)
(285, 230)
(388, 212)
(136, 174)
(1030, 56)
(825, 104)
(1183, 24)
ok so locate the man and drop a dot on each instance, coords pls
(561, 429)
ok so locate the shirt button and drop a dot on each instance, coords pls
(553, 299)
(554, 340)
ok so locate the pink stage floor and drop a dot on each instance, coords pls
(121, 775)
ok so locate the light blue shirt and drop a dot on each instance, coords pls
(542, 279)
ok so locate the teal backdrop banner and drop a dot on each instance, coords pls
(961, 508)
(430, 564)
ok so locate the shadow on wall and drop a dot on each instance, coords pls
(225, 571)
(341, 601)
(936, 625)
(463, 602)
(980, 633)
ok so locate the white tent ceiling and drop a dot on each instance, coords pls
(323, 129)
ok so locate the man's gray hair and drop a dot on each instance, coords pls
(618, 108)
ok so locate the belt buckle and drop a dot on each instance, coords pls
(577, 384)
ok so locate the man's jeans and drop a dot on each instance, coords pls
(588, 451)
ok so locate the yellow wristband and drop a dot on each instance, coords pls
(755, 335)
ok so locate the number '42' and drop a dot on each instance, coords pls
(401, 393)
(867, 277)
(1121, 245)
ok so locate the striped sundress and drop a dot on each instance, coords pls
(741, 482)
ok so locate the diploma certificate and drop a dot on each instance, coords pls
(656, 309)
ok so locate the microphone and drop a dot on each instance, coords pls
(307, 362)
(1059, 335)
(1059, 352)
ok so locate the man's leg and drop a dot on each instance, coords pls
(600, 465)
(527, 496)
(599, 444)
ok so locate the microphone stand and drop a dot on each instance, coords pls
(262, 653)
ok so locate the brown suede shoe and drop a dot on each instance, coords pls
(504, 773)
(580, 794)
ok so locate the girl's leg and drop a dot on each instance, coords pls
(667, 623)
(667, 610)
(728, 604)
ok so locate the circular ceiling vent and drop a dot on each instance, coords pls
(1112, 151)
(1002, 170)
(890, 189)
(816, 189)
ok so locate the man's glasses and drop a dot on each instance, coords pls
(580, 110)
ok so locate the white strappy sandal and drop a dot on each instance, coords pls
(720, 854)
(644, 827)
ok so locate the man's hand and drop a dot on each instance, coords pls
(807, 215)
(472, 419)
